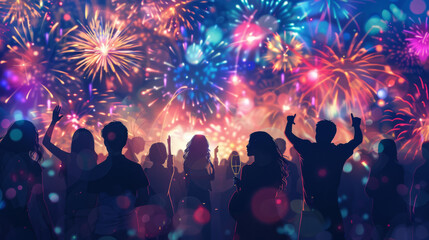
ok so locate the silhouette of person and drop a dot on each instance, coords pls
(321, 167)
(293, 175)
(420, 191)
(178, 186)
(24, 214)
(255, 204)
(134, 146)
(121, 185)
(199, 172)
(160, 177)
(76, 165)
(388, 209)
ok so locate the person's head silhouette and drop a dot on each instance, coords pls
(425, 152)
(387, 149)
(22, 137)
(262, 146)
(157, 154)
(82, 140)
(281, 144)
(325, 131)
(197, 151)
(264, 149)
(115, 136)
(198, 147)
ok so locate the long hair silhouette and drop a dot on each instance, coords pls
(196, 150)
(266, 145)
(22, 137)
(82, 140)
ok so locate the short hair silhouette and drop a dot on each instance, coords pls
(425, 151)
(115, 136)
(281, 144)
(22, 137)
(387, 147)
(325, 131)
(158, 153)
(82, 140)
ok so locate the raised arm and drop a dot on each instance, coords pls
(357, 139)
(288, 131)
(56, 151)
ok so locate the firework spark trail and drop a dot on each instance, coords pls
(343, 76)
(104, 48)
(418, 40)
(332, 10)
(254, 21)
(410, 119)
(36, 61)
(21, 11)
(182, 13)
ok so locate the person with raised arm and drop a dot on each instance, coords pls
(321, 167)
(76, 166)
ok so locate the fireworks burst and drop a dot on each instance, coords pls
(35, 65)
(418, 40)
(104, 48)
(175, 14)
(271, 15)
(254, 20)
(343, 78)
(396, 48)
(21, 11)
(284, 52)
(411, 119)
(332, 10)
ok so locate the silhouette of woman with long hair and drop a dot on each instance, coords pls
(254, 205)
(199, 172)
(388, 209)
(24, 214)
(76, 167)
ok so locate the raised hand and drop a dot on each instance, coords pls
(56, 114)
(291, 119)
(355, 121)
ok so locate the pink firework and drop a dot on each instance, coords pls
(410, 119)
(418, 40)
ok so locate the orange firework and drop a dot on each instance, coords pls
(104, 47)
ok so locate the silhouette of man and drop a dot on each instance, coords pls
(321, 166)
(121, 186)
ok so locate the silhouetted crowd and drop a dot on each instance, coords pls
(117, 199)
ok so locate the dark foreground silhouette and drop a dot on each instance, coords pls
(321, 165)
(76, 168)
(258, 205)
(389, 209)
(24, 215)
(121, 186)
